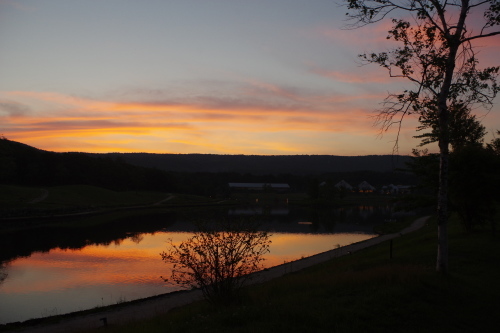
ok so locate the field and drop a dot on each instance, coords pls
(72, 195)
(19, 201)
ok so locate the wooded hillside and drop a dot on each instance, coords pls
(201, 174)
(259, 164)
(25, 165)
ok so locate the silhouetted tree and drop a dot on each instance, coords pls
(474, 183)
(464, 128)
(437, 56)
(494, 146)
(218, 259)
(3, 275)
(328, 191)
(314, 188)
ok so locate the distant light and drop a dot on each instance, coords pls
(305, 223)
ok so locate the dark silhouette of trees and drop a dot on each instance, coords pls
(464, 127)
(495, 145)
(3, 275)
(474, 183)
(21, 164)
(218, 259)
(262, 165)
(437, 56)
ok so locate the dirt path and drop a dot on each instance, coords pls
(41, 197)
(170, 197)
(162, 304)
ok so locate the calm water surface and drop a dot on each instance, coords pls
(62, 278)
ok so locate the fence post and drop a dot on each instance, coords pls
(390, 249)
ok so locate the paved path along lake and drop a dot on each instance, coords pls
(161, 304)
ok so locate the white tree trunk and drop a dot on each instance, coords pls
(442, 251)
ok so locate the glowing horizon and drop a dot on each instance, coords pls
(193, 77)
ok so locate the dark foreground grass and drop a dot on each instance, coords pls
(364, 292)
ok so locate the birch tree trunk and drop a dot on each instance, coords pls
(442, 250)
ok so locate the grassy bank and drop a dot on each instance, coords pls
(366, 291)
(34, 202)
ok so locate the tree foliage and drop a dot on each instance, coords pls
(474, 183)
(3, 275)
(436, 55)
(495, 145)
(464, 127)
(218, 259)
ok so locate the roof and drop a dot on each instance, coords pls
(343, 184)
(364, 185)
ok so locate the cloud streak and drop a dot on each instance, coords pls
(201, 122)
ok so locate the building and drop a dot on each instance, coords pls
(343, 184)
(365, 187)
(258, 187)
(396, 189)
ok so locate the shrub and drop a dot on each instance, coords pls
(218, 259)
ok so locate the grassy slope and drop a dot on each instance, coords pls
(76, 195)
(10, 195)
(365, 291)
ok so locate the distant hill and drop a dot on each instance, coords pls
(202, 174)
(25, 165)
(259, 164)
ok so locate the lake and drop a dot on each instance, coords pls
(59, 269)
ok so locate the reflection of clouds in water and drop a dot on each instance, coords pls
(289, 247)
(126, 261)
(3, 275)
(137, 238)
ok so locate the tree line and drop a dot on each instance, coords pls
(21, 164)
(263, 164)
(25, 165)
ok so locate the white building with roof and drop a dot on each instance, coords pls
(280, 187)
(364, 186)
(343, 184)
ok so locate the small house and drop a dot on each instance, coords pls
(343, 185)
(365, 187)
(258, 187)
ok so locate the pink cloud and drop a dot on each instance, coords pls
(355, 37)
(353, 77)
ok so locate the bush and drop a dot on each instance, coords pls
(218, 259)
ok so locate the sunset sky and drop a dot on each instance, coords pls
(264, 77)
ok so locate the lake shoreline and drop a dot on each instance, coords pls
(147, 307)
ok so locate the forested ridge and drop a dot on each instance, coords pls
(21, 164)
(264, 164)
(203, 174)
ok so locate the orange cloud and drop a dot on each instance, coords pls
(240, 123)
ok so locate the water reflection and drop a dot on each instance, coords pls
(55, 270)
(100, 230)
(3, 274)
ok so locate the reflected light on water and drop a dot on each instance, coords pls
(62, 281)
(288, 247)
